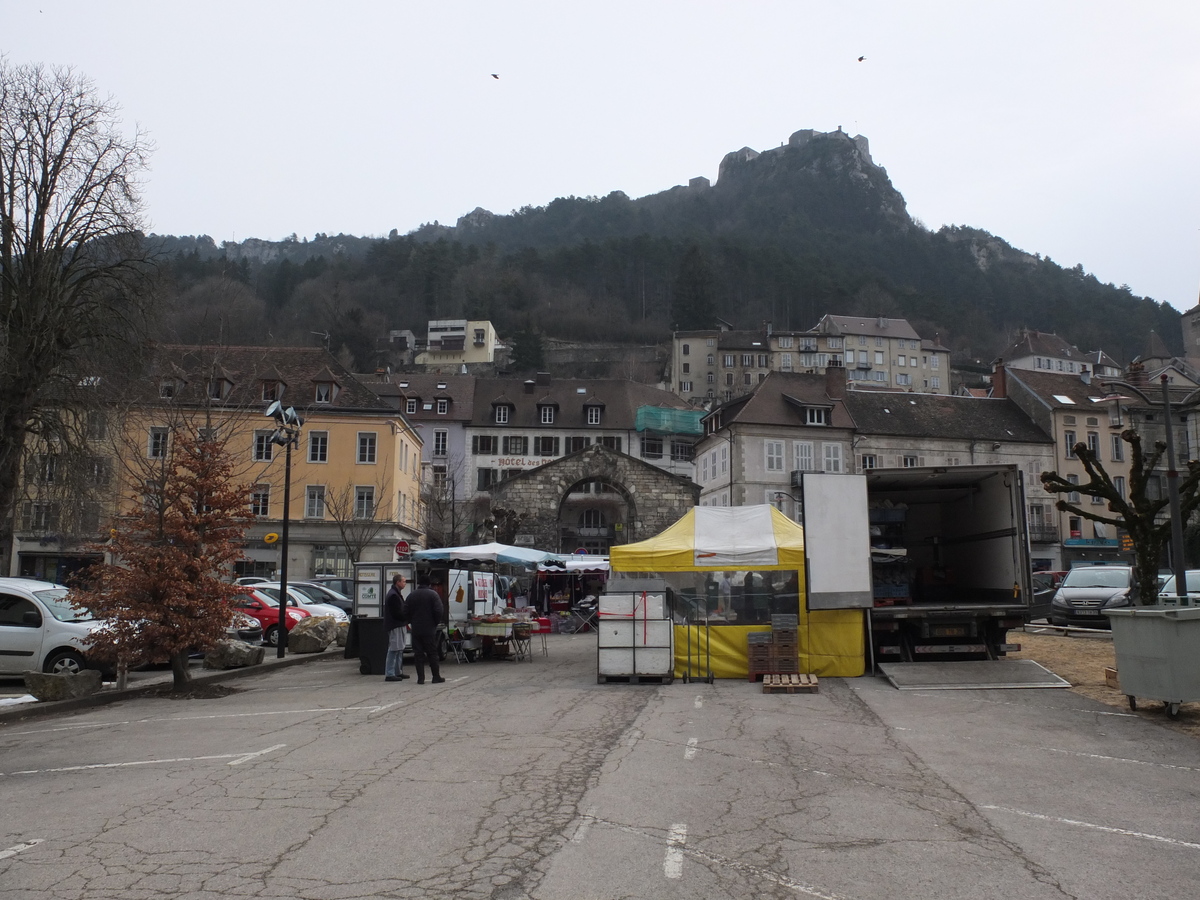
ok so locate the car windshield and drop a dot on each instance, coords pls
(273, 593)
(56, 601)
(1098, 576)
(1192, 577)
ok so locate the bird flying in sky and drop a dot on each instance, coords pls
(494, 75)
(860, 59)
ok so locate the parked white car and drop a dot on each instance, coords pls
(39, 630)
(301, 600)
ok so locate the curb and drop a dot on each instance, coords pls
(37, 710)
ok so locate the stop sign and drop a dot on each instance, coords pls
(402, 547)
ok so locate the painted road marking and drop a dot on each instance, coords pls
(690, 752)
(1100, 756)
(17, 848)
(699, 702)
(1126, 832)
(242, 757)
(257, 753)
(673, 863)
(581, 832)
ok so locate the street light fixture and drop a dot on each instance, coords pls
(287, 435)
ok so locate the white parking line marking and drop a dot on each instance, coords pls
(699, 702)
(143, 762)
(690, 752)
(581, 832)
(1126, 832)
(1100, 756)
(17, 848)
(257, 753)
(673, 863)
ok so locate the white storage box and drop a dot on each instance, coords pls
(653, 606)
(635, 633)
(648, 661)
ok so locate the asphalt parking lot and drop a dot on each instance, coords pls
(532, 780)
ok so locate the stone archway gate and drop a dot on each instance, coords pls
(656, 499)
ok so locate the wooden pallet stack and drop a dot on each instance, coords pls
(774, 652)
(789, 684)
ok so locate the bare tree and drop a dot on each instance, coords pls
(72, 273)
(359, 515)
(1140, 514)
(444, 513)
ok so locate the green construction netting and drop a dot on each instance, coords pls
(669, 421)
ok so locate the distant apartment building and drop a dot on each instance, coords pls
(716, 366)
(1039, 351)
(457, 342)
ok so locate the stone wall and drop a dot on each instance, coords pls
(654, 499)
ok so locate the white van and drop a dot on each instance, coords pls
(39, 630)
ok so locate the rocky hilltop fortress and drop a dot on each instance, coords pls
(799, 139)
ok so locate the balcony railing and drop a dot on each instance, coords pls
(1043, 534)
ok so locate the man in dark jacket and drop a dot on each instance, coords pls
(423, 612)
(393, 621)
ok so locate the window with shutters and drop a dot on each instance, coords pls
(832, 454)
(485, 445)
(774, 455)
(516, 445)
(802, 455)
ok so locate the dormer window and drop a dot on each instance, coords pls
(815, 415)
(501, 415)
(167, 388)
(443, 407)
(410, 405)
(271, 391)
(547, 415)
(593, 415)
(324, 392)
(218, 388)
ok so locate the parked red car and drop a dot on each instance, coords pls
(266, 610)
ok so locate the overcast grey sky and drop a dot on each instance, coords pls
(1068, 128)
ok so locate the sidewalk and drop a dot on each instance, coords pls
(140, 682)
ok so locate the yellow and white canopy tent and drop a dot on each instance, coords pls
(758, 538)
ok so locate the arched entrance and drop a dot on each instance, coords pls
(592, 514)
(628, 497)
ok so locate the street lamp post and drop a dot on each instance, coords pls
(287, 435)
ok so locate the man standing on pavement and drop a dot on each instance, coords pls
(423, 612)
(393, 621)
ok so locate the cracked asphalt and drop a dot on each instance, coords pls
(530, 780)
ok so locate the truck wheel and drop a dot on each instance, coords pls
(64, 662)
(1132, 702)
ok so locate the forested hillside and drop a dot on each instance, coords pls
(782, 237)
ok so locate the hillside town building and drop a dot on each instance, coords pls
(355, 476)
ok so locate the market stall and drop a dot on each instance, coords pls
(480, 622)
(733, 570)
(567, 586)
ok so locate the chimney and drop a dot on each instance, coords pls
(1084, 375)
(543, 378)
(999, 379)
(882, 322)
(835, 382)
(529, 385)
(1136, 375)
